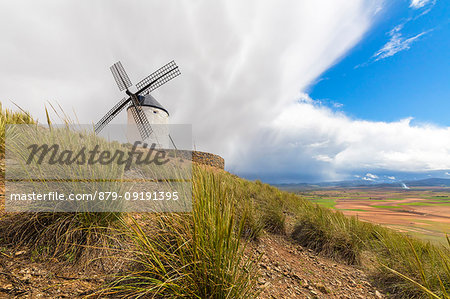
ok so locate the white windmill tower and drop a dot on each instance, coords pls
(158, 117)
(147, 119)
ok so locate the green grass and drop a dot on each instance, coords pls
(326, 202)
(402, 204)
(10, 117)
(348, 239)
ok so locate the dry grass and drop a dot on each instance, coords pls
(193, 255)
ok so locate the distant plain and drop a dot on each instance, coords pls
(420, 211)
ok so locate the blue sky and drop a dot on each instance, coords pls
(413, 82)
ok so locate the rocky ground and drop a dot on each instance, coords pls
(20, 277)
(291, 271)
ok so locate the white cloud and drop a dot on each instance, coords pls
(343, 145)
(447, 173)
(396, 43)
(416, 4)
(391, 177)
(369, 177)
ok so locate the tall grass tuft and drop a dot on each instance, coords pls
(11, 117)
(252, 224)
(411, 268)
(69, 237)
(197, 255)
(273, 216)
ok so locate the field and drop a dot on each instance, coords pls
(420, 211)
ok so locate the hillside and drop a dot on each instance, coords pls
(242, 240)
(282, 268)
(430, 182)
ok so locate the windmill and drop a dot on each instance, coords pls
(138, 101)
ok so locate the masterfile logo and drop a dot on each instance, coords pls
(59, 169)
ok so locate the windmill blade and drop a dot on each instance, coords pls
(111, 114)
(120, 76)
(158, 78)
(141, 120)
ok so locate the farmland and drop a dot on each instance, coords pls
(420, 211)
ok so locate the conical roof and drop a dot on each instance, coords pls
(149, 101)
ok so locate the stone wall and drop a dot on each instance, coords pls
(208, 159)
(200, 157)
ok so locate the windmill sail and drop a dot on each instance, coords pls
(141, 120)
(121, 77)
(111, 114)
(158, 78)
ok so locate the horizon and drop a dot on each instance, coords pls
(367, 182)
(283, 91)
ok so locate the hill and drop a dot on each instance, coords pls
(431, 182)
(242, 240)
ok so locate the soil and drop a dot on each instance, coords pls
(22, 278)
(394, 215)
(425, 219)
(290, 271)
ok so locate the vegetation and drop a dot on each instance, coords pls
(199, 254)
(11, 117)
(348, 239)
(202, 254)
(71, 236)
(326, 202)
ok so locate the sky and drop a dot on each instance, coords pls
(400, 69)
(286, 91)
